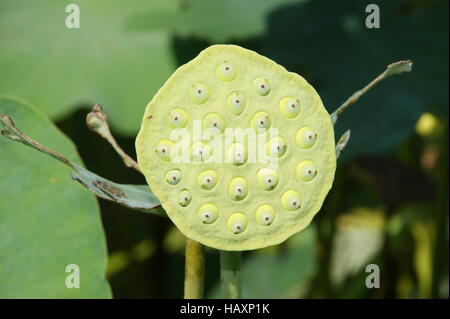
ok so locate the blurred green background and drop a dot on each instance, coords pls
(389, 203)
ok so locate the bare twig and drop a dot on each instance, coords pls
(138, 197)
(392, 69)
(97, 121)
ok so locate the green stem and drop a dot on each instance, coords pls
(230, 274)
(194, 270)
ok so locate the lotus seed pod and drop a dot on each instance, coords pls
(224, 202)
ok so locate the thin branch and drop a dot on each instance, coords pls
(230, 274)
(194, 269)
(138, 197)
(392, 69)
(97, 121)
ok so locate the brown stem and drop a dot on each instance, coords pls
(97, 121)
(392, 69)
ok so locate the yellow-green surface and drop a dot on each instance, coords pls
(249, 205)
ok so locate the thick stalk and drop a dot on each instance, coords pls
(194, 270)
(230, 274)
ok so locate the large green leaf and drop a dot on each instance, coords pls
(215, 20)
(337, 53)
(59, 68)
(46, 220)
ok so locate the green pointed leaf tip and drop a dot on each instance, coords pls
(42, 233)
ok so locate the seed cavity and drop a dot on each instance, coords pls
(265, 214)
(260, 122)
(201, 152)
(199, 93)
(306, 170)
(225, 71)
(207, 179)
(184, 198)
(238, 188)
(236, 102)
(290, 200)
(261, 86)
(173, 176)
(164, 149)
(276, 147)
(237, 223)
(236, 154)
(177, 118)
(267, 178)
(208, 213)
(214, 122)
(305, 137)
(289, 107)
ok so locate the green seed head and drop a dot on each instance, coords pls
(244, 193)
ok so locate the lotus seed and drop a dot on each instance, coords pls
(184, 198)
(173, 176)
(214, 121)
(306, 170)
(289, 107)
(290, 200)
(237, 223)
(276, 147)
(225, 72)
(238, 188)
(261, 86)
(305, 137)
(236, 102)
(260, 121)
(208, 213)
(163, 150)
(177, 118)
(199, 93)
(207, 179)
(265, 215)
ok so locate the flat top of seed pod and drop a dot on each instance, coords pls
(240, 151)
